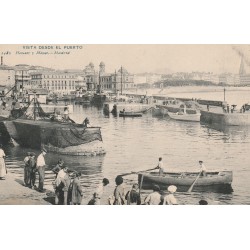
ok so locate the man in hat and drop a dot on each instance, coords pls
(41, 169)
(58, 166)
(170, 199)
(155, 197)
(202, 168)
(26, 169)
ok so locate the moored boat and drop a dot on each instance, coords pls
(185, 117)
(219, 181)
(130, 114)
(32, 127)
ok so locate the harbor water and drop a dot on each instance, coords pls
(134, 144)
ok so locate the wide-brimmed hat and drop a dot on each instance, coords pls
(172, 189)
(200, 161)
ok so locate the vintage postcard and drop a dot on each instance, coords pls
(124, 124)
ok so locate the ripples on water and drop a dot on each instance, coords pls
(134, 144)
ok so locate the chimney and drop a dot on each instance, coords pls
(1, 60)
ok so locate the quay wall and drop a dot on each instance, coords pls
(230, 119)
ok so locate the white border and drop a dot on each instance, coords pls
(125, 22)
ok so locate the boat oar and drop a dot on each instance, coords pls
(140, 187)
(137, 172)
(190, 189)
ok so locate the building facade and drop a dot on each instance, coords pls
(59, 82)
(7, 74)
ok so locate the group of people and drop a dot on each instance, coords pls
(68, 189)
(133, 196)
(31, 167)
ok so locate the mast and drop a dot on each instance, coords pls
(34, 105)
(121, 80)
(115, 82)
(22, 82)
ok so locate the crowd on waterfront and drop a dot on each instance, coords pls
(69, 191)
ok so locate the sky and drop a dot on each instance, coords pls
(136, 58)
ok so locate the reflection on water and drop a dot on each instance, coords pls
(134, 144)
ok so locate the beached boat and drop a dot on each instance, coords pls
(185, 117)
(129, 114)
(219, 181)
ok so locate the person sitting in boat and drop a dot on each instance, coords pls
(170, 199)
(86, 122)
(160, 166)
(202, 168)
(58, 116)
(66, 114)
(155, 197)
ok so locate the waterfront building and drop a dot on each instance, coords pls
(244, 77)
(7, 74)
(60, 82)
(91, 76)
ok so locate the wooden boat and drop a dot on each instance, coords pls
(185, 117)
(31, 127)
(130, 114)
(219, 181)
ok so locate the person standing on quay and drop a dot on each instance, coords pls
(3, 170)
(155, 197)
(119, 193)
(32, 169)
(41, 169)
(77, 192)
(98, 193)
(133, 197)
(26, 170)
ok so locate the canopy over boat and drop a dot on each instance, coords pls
(218, 181)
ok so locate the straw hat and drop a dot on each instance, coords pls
(172, 189)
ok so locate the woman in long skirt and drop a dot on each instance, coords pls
(3, 170)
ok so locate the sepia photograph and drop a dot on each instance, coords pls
(135, 124)
(138, 104)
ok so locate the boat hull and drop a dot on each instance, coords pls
(130, 114)
(185, 117)
(214, 181)
(57, 137)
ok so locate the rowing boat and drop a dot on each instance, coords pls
(185, 117)
(130, 114)
(219, 181)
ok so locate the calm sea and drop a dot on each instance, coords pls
(135, 144)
